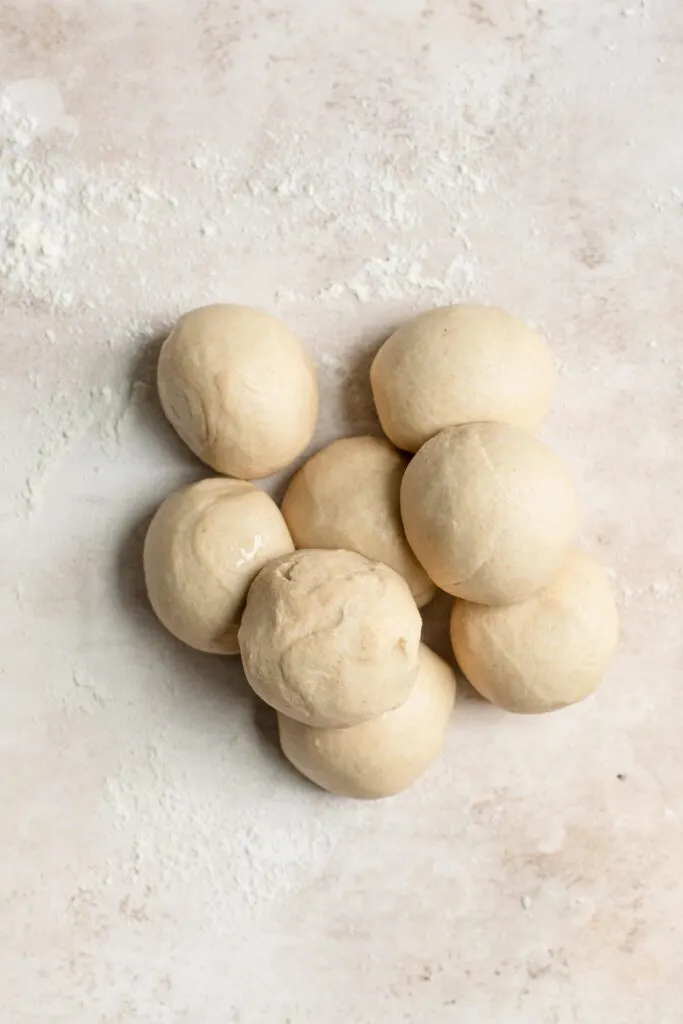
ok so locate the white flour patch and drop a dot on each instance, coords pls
(56, 212)
(272, 847)
(63, 424)
(102, 245)
(40, 102)
(661, 591)
(401, 274)
(65, 418)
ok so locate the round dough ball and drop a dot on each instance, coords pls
(385, 755)
(330, 638)
(546, 652)
(239, 389)
(348, 496)
(202, 550)
(489, 511)
(460, 364)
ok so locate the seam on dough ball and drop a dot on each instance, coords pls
(526, 691)
(492, 541)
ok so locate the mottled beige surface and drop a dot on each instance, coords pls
(345, 166)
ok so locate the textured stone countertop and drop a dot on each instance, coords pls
(343, 165)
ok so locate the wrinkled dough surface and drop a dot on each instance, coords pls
(330, 638)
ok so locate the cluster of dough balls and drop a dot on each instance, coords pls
(322, 597)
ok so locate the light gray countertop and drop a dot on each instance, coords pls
(343, 165)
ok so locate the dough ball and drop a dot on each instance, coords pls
(203, 548)
(348, 496)
(386, 754)
(546, 652)
(489, 511)
(239, 389)
(460, 364)
(330, 638)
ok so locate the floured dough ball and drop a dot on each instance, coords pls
(546, 652)
(348, 496)
(489, 511)
(239, 389)
(460, 364)
(330, 638)
(202, 550)
(386, 754)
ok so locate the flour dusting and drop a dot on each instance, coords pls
(106, 244)
(55, 215)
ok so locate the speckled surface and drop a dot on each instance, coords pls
(343, 165)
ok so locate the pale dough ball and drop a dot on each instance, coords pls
(348, 496)
(330, 638)
(546, 652)
(460, 364)
(202, 550)
(386, 754)
(239, 389)
(489, 511)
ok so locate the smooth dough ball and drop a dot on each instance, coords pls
(330, 638)
(348, 496)
(202, 550)
(489, 511)
(239, 389)
(460, 364)
(546, 652)
(386, 754)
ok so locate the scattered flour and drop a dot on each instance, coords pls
(66, 417)
(97, 252)
(274, 846)
(98, 245)
(400, 275)
(62, 425)
(74, 235)
(56, 212)
(662, 591)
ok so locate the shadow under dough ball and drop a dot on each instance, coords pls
(330, 638)
(385, 755)
(239, 388)
(348, 496)
(489, 511)
(546, 652)
(460, 364)
(203, 548)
